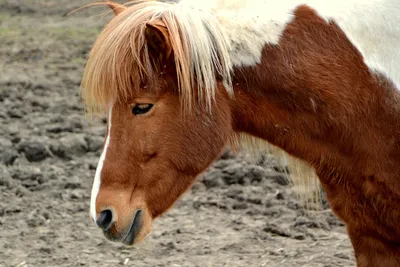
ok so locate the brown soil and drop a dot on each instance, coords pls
(237, 214)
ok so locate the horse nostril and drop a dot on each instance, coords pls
(104, 221)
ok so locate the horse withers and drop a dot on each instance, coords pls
(318, 79)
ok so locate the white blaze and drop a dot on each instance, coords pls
(97, 177)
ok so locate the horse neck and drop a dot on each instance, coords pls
(347, 129)
(340, 132)
(314, 96)
(340, 118)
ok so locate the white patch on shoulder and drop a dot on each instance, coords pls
(372, 27)
(97, 177)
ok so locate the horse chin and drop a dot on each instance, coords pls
(134, 229)
(139, 229)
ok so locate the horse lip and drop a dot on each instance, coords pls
(134, 229)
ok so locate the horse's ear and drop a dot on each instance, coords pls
(158, 42)
(117, 8)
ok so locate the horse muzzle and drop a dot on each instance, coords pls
(127, 237)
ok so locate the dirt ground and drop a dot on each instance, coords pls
(237, 214)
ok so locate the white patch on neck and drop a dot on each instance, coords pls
(97, 177)
(371, 26)
(249, 24)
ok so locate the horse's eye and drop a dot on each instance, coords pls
(141, 108)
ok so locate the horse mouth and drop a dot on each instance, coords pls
(134, 229)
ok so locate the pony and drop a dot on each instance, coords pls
(318, 80)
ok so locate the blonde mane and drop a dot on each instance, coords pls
(119, 60)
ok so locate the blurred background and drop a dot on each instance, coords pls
(237, 214)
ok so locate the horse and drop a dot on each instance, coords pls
(318, 80)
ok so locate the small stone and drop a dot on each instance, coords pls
(303, 221)
(299, 236)
(233, 169)
(77, 194)
(34, 151)
(16, 139)
(280, 196)
(276, 230)
(257, 173)
(45, 250)
(342, 255)
(74, 145)
(7, 157)
(5, 143)
(15, 113)
(223, 163)
(213, 179)
(255, 200)
(59, 129)
(5, 176)
(46, 215)
(240, 206)
(170, 246)
(73, 183)
(95, 143)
